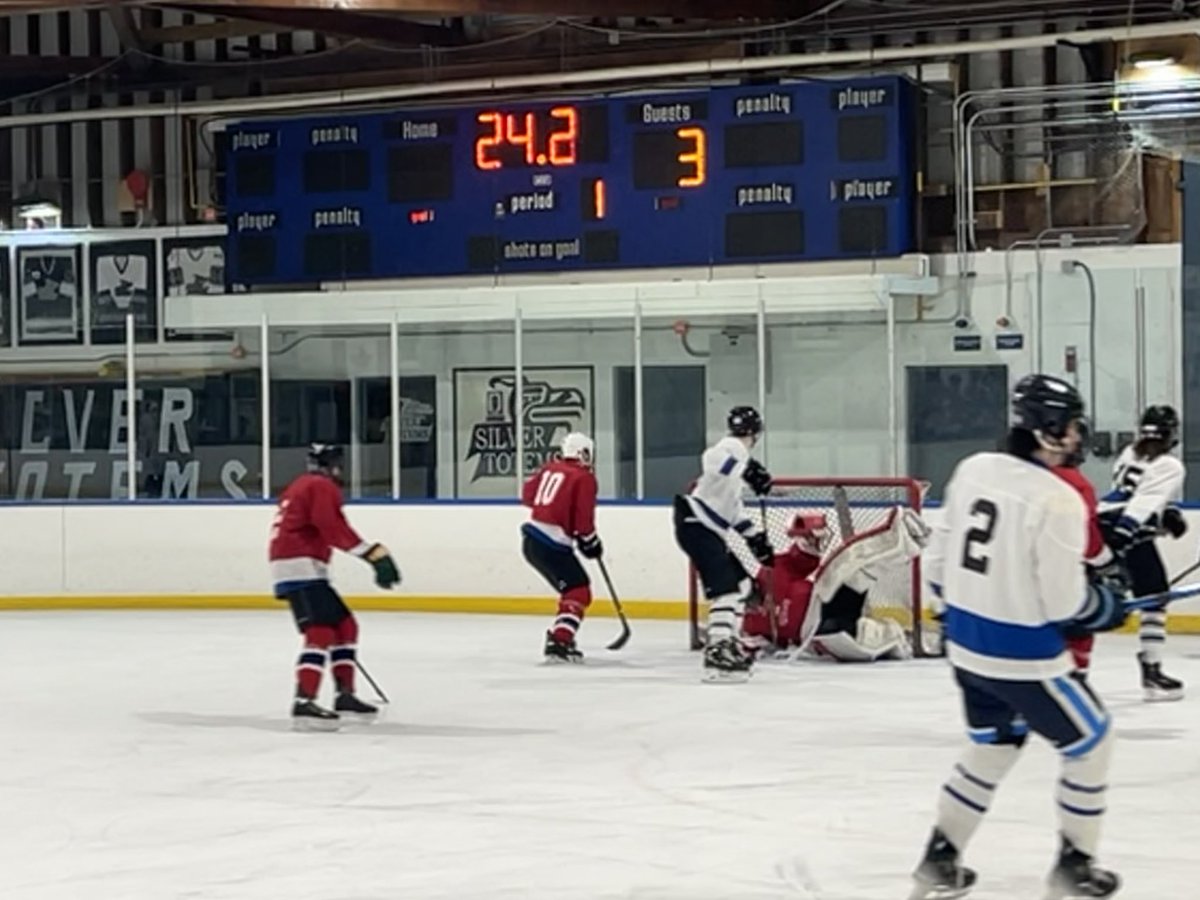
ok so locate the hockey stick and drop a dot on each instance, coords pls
(1153, 600)
(1185, 573)
(769, 596)
(623, 638)
(383, 698)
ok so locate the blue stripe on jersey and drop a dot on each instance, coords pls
(707, 510)
(1003, 640)
(541, 537)
(1117, 495)
(728, 466)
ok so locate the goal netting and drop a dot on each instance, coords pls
(851, 507)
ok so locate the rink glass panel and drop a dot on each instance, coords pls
(827, 395)
(316, 397)
(574, 370)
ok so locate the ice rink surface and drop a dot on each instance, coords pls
(148, 756)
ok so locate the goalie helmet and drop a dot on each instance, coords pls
(810, 531)
(1160, 423)
(579, 447)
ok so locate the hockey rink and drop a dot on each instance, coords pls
(148, 756)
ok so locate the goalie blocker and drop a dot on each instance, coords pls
(816, 600)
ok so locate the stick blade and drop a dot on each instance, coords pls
(623, 638)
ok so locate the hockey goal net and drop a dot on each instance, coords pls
(851, 506)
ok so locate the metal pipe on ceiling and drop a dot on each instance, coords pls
(831, 59)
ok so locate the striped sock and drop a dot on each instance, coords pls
(1081, 795)
(968, 791)
(1153, 634)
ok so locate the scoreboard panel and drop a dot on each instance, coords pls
(745, 174)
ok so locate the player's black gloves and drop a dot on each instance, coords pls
(761, 548)
(386, 574)
(1173, 522)
(590, 546)
(1120, 535)
(758, 478)
(1113, 574)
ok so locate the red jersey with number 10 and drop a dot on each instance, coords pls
(561, 496)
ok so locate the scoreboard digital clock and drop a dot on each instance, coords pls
(749, 174)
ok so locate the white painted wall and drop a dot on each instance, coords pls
(444, 550)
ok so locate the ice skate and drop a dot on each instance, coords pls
(307, 715)
(939, 875)
(350, 707)
(726, 662)
(1156, 686)
(557, 651)
(1076, 878)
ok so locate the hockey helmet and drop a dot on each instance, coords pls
(578, 446)
(1046, 406)
(1160, 423)
(325, 457)
(809, 532)
(744, 421)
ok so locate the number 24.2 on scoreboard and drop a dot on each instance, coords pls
(507, 139)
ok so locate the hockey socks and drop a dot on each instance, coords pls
(342, 654)
(1152, 634)
(1081, 794)
(968, 792)
(311, 664)
(724, 618)
(571, 608)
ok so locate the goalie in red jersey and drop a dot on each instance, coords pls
(1096, 553)
(308, 525)
(786, 587)
(561, 497)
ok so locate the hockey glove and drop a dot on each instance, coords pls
(1120, 536)
(1173, 522)
(1112, 575)
(387, 575)
(760, 546)
(758, 478)
(590, 546)
(1104, 609)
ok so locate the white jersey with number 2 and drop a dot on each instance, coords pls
(1007, 557)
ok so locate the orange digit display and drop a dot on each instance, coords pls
(515, 136)
(562, 143)
(697, 157)
(601, 200)
(487, 141)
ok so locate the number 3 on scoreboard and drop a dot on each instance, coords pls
(697, 157)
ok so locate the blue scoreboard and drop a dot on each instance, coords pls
(744, 174)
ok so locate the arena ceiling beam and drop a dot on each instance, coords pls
(683, 9)
(343, 23)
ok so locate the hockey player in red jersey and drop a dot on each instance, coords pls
(308, 526)
(1096, 552)
(787, 586)
(561, 497)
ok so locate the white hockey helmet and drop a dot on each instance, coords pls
(578, 446)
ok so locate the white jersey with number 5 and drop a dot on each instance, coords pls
(1142, 488)
(1007, 558)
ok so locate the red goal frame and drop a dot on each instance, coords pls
(913, 491)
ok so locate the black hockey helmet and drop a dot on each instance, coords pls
(744, 421)
(324, 457)
(1046, 406)
(1160, 423)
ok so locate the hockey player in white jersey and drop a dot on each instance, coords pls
(1147, 482)
(1006, 558)
(703, 519)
